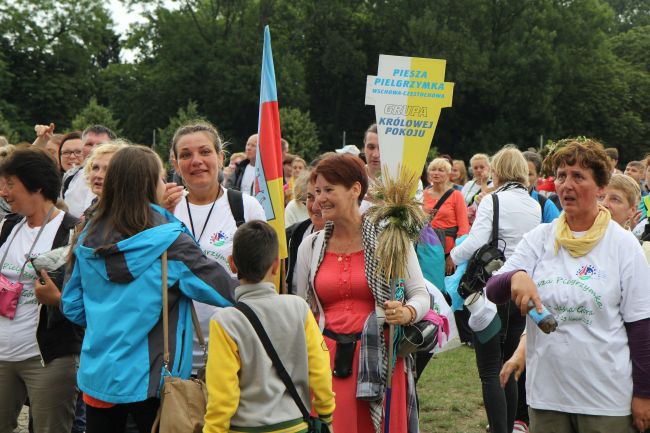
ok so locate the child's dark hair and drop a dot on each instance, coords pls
(254, 249)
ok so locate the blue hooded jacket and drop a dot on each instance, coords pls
(117, 296)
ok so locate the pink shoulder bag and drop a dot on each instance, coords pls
(9, 291)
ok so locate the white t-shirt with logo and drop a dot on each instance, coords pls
(248, 180)
(583, 367)
(216, 243)
(18, 336)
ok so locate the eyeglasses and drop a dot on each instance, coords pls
(70, 152)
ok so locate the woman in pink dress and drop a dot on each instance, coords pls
(336, 274)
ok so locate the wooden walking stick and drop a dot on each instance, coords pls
(401, 218)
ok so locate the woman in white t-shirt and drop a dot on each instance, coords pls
(296, 211)
(205, 209)
(591, 274)
(518, 213)
(480, 164)
(39, 347)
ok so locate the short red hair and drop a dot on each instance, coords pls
(342, 169)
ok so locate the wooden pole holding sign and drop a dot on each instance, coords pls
(408, 94)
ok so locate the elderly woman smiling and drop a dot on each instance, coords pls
(591, 374)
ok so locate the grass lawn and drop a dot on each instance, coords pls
(450, 394)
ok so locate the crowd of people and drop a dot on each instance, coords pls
(81, 341)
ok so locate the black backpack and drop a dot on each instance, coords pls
(485, 261)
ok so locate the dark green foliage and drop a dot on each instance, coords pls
(184, 116)
(95, 114)
(52, 53)
(525, 71)
(301, 133)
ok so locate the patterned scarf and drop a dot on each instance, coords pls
(381, 292)
(374, 356)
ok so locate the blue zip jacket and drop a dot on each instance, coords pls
(117, 296)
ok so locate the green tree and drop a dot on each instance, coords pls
(95, 114)
(633, 51)
(184, 115)
(337, 61)
(301, 133)
(631, 13)
(210, 52)
(523, 69)
(6, 130)
(53, 52)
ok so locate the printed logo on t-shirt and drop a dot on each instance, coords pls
(587, 272)
(219, 239)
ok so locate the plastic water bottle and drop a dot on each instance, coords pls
(544, 320)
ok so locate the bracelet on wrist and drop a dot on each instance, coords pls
(413, 314)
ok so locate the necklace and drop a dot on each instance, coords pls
(345, 249)
(205, 224)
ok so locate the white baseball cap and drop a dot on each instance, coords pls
(349, 148)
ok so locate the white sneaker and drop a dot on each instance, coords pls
(520, 427)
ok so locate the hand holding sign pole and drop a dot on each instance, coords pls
(408, 94)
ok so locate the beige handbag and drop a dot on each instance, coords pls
(182, 401)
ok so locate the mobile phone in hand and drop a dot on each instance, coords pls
(37, 270)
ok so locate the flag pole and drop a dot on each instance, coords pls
(268, 188)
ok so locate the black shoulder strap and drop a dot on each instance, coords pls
(9, 223)
(542, 203)
(277, 363)
(66, 184)
(495, 219)
(441, 201)
(444, 197)
(236, 202)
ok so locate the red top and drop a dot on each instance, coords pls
(347, 301)
(343, 291)
(452, 213)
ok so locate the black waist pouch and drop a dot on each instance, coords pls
(345, 346)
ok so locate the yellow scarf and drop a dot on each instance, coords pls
(579, 247)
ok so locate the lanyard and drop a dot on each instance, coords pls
(29, 254)
(189, 213)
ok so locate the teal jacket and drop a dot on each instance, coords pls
(117, 296)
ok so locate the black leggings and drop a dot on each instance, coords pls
(522, 404)
(113, 419)
(421, 361)
(462, 322)
(500, 403)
